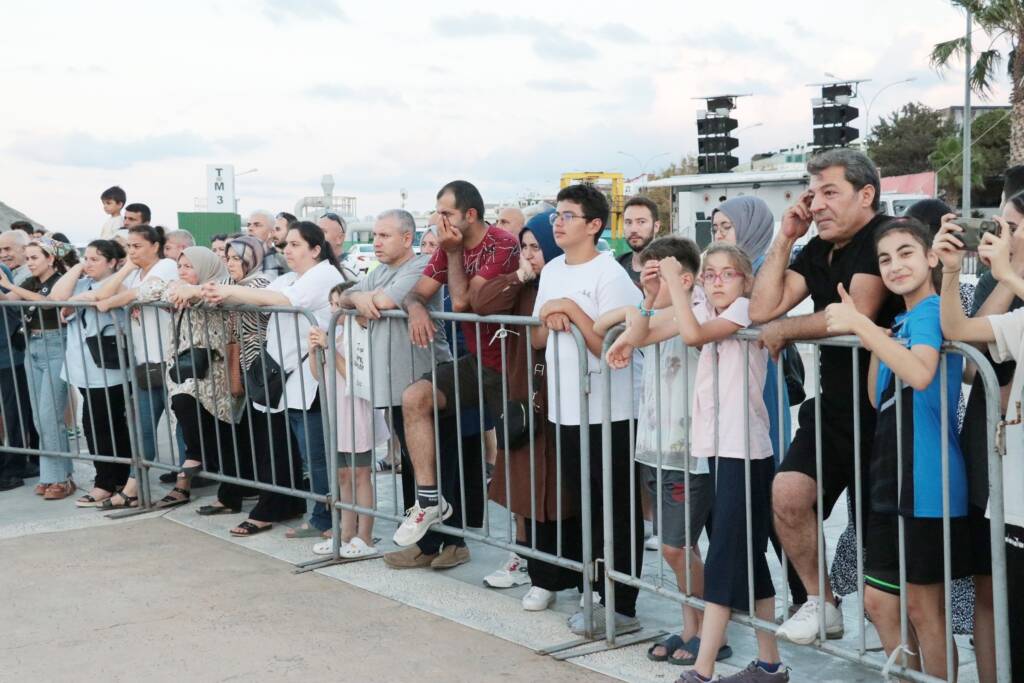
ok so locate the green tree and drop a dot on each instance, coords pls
(990, 150)
(900, 144)
(946, 162)
(662, 196)
(999, 19)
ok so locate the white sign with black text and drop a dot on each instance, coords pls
(220, 188)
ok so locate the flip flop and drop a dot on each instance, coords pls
(250, 529)
(671, 644)
(305, 532)
(210, 510)
(692, 646)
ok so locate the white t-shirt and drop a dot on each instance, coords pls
(311, 292)
(111, 226)
(1009, 345)
(597, 286)
(152, 323)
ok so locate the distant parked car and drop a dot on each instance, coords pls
(360, 256)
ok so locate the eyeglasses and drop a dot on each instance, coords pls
(565, 216)
(725, 277)
(330, 215)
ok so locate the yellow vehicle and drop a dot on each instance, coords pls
(613, 187)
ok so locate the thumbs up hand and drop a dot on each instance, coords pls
(843, 318)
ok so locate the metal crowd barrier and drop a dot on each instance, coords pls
(897, 667)
(285, 323)
(62, 393)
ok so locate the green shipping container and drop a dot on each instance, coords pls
(205, 225)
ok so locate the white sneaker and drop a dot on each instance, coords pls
(595, 599)
(324, 547)
(652, 543)
(512, 573)
(802, 627)
(538, 599)
(419, 520)
(357, 548)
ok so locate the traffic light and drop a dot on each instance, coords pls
(714, 141)
(830, 115)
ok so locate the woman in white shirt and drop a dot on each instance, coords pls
(145, 270)
(298, 413)
(104, 413)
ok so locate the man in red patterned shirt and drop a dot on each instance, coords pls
(471, 252)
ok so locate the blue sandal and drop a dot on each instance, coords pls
(671, 644)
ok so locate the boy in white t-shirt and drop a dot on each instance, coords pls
(577, 288)
(1004, 334)
(113, 199)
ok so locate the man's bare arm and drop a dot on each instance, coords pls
(458, 283)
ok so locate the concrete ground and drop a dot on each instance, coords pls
(152, 600)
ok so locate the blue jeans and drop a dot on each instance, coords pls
(314, 459)
(151, 406)
(49, 396)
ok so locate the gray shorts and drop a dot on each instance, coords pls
(673, 503)
(363, 459)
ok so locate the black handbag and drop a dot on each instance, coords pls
(793, 371)
(149, 375)
(104, 349)
(516, 420)
(192, 363)
(265, 380)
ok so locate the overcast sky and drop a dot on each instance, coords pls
(392, 95)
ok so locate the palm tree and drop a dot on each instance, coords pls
(998, 19)
(946, 162)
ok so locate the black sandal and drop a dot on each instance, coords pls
(210, 510)
(126, 502)
(249, 529)
(170, 501)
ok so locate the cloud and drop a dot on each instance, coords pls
(303, 10)
(620, 33)
(345, 93)
(559, 85)
(85, 150)
(548, 40)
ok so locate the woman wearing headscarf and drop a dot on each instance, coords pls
(200, 397)
(748, 223)
(511, 485)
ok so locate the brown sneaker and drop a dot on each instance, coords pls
(450, 556)
(408, 558)
(59, 490)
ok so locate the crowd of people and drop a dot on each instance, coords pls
(472, 411)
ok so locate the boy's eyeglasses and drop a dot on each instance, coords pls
(565, 217)
(725, 277)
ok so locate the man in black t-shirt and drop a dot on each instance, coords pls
(842, 201)
(639, 225)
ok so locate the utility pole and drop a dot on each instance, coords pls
(965, 184)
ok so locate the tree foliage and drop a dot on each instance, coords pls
(901, 143)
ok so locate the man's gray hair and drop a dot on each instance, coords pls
(18, 237)
(406, 223)
(266, 214)
(183, 236)
(858, 169)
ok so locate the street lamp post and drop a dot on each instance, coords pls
(867, 111)
(645, 164)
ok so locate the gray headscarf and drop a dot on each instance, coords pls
(207, 265)
(753, 222)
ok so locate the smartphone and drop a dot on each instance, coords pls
(974, 228)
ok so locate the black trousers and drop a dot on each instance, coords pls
(213, 443)
(550, 576)
(277, 461)
(449, 486)
(17, 415)
(624, 557)
(104, 420)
